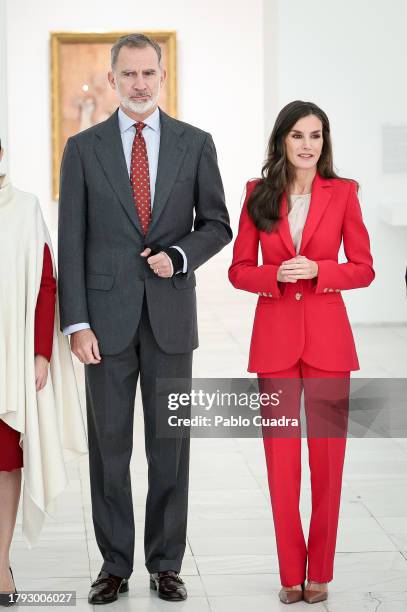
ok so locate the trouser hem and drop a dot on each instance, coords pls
(117, 570)
(291, 583)
(320, 580)
(163, 566)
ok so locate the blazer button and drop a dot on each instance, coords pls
(298, 296)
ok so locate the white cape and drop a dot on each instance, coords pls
(51, 420)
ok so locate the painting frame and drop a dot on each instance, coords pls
(57, 40)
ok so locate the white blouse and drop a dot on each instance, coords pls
(297, 216)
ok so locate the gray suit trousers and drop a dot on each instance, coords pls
(110, 394)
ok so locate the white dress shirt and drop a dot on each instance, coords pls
(151, 133)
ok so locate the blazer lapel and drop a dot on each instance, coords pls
(320, 197)
(172, 151)
(109, 151)
(284, 228)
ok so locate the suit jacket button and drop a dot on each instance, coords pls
(298, 296)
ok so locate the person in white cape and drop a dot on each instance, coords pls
(41, 421)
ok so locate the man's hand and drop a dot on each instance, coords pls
(85, 346)
(41, 371)
(297, 268)
(161, 264)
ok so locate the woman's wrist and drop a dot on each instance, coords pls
(41, 357)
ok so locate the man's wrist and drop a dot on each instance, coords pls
(174, 254)
(71, 329)
(176, 259)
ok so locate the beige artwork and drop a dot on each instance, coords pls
(81, 94)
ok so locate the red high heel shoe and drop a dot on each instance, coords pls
(289, 596)
(315, 595)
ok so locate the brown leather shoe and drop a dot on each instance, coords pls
(289, 596)
(315, 595)
(106, 588)
(168, 585)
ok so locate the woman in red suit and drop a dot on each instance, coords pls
(299, 213)
(11, 455)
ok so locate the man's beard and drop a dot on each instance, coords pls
(139, 107)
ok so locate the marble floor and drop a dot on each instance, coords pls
(230, 562)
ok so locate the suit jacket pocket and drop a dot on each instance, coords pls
(100, 282)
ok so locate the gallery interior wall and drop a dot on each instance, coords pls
(214, 66)
(350, 58)
(238, 63)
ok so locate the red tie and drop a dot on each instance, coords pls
(140, 178)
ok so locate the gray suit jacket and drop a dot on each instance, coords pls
(102, 277)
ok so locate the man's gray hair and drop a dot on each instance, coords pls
(140, 41)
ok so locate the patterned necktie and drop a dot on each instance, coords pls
(140, 178)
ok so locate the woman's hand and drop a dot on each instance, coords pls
(298, 268)
(41, 372)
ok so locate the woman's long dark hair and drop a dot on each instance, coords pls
(277, 173)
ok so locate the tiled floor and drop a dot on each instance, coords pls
(230, 562)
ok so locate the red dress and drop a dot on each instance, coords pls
(11, 455)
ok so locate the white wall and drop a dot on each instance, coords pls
(3, 84)
(350, 58)
(239, 62)
(220, 77)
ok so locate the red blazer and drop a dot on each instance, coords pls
(305, 320)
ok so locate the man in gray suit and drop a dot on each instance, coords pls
(141, 208)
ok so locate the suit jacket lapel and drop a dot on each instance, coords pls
(172, 151)
(284, 228)
(320, 197)
(109, 151)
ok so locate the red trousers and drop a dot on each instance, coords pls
(326, 408)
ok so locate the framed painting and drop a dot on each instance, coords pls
(80, 92)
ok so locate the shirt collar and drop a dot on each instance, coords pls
(126, 122)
